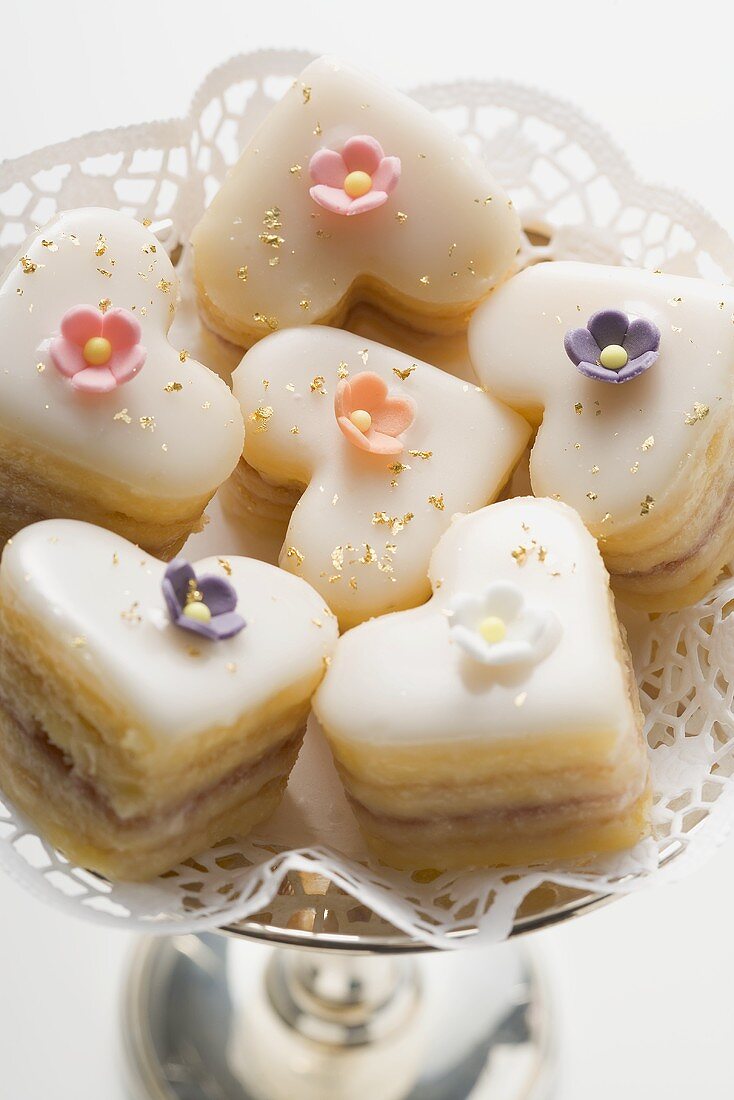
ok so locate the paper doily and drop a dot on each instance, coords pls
(579, 199)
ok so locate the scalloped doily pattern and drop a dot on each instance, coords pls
(579, 199)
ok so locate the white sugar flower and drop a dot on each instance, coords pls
(499, 628)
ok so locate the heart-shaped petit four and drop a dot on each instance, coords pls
(147, 711)
(373, 453)
(349, 191)
(101, 418)
(629, 375)
(498, 724)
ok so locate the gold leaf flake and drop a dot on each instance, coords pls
(272, 239)
(295, 169)
(579, 408)
(40, 367)
(323, 235)
(634, 467)
(226, 565)
(649, 443)
(50, 245)
(305, 303)
(115, 558)
(542, 553)
(317, 129)
(29, 266)
(403, 374)
(242, 273)
(79, 642)
(104, 304)
(164, 285)
(342, 371)
(294, 430)
(206, 405)
(353, 583)
(397, 468)
(147, 422)
(592, 495)
(700, 412)
(395, 523)
(647, 505)
(369, 556)
(317, 384)
(261, 417)
(123, 415)
(261, 319)
(337, 558)
(364, 356)
(424, 280)
(520, 554)
(295, 555)
(102, 271)
(306, 93)
(421, 454)
(317, 622)
(101, 246)
(594, 469)
(401, 217)
(437, 501)
(132, 615)
(173, 387)
(272, 218)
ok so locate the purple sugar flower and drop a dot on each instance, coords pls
(205, 605)
(613, 348)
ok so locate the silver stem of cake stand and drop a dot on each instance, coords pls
(213, 1017)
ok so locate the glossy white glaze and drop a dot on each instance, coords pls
(194, 438)
(605, 448)
(447, 222)
(100, 599)
(403, 679)
(473, 441)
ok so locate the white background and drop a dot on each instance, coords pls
(644, 986)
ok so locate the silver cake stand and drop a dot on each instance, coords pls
(284, 1006)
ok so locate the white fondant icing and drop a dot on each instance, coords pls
(175, 443)
(100, 596)
(445, 236)
(350, 524)
(404, 679)
(606, 449)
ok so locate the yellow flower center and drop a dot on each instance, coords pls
(197, 611)
(357, 184)
(492, 629)
(361, 420)
(613, 357)
(97, 351)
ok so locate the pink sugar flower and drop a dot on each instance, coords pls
(369, 416)
(98, 351)
(358, 179)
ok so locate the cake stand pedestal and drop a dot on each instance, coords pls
(221, 1016)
